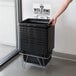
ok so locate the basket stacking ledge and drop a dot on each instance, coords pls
(36, 41)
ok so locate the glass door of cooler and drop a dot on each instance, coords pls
(8, 30)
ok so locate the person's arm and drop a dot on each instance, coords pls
(60, 11)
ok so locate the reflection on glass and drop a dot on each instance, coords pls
(7, 30)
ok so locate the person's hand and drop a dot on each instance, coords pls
(53, 21)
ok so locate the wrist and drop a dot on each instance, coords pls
(55, 17)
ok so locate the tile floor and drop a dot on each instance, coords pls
(56, 67)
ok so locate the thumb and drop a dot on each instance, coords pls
(50, 22)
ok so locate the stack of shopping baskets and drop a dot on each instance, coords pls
(36, 41)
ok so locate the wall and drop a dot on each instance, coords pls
(65, 30)
(7, 22)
